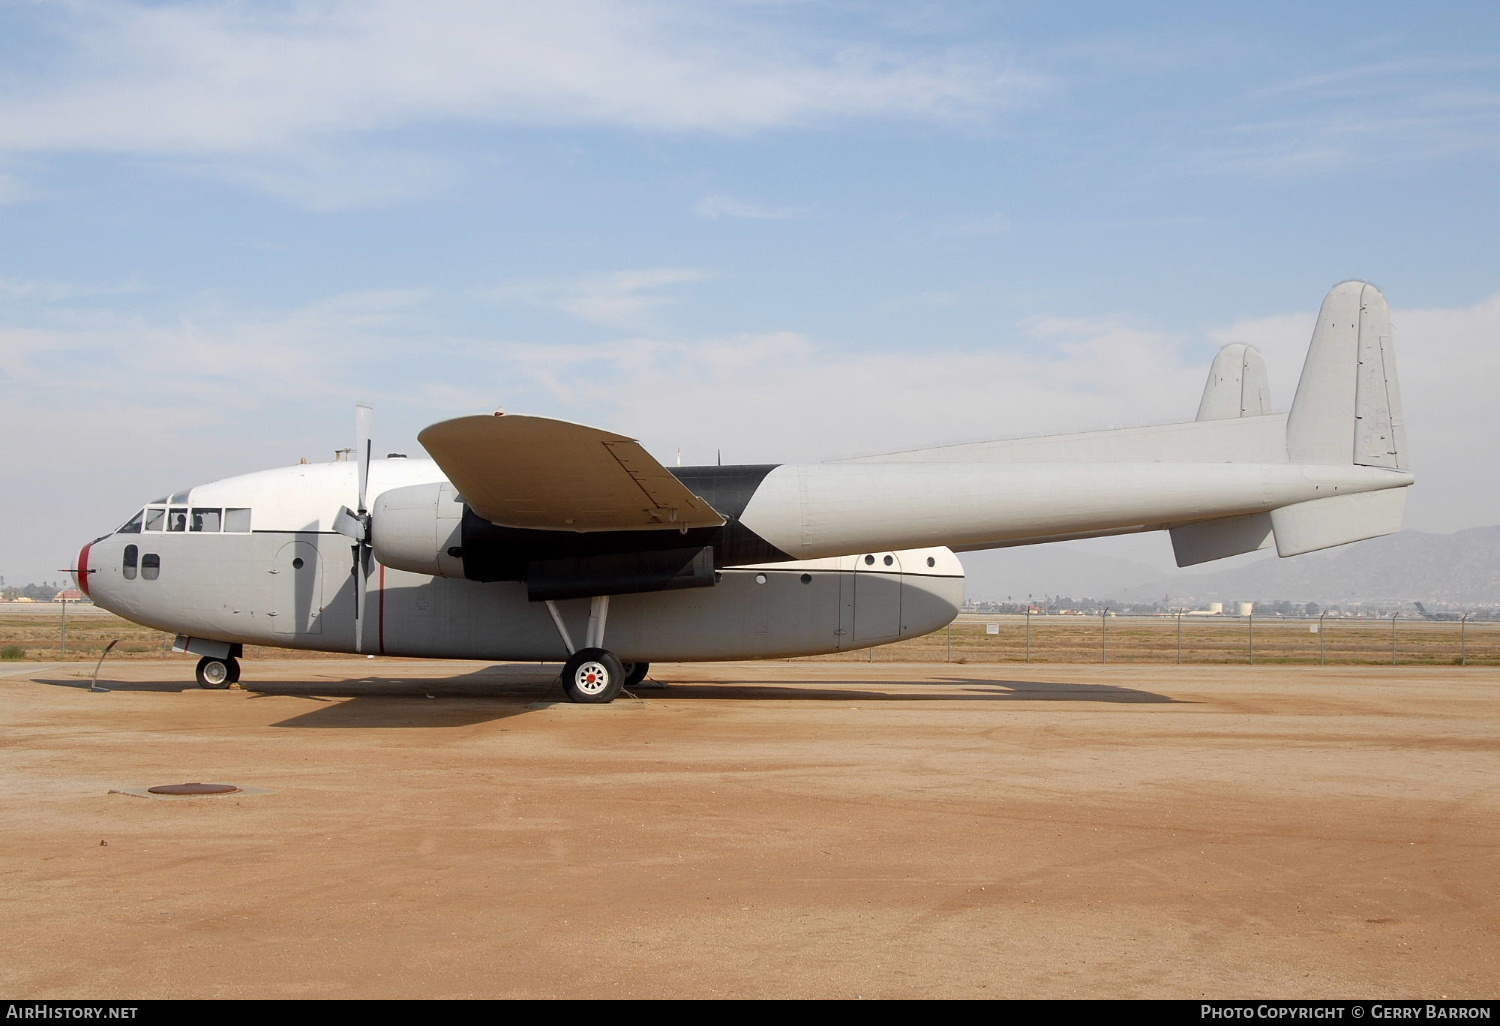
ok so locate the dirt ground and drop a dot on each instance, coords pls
(752, 830)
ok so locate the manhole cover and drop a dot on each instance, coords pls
(193, 789)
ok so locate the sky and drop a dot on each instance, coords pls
(767, 231)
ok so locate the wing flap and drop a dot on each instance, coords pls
(553, 475)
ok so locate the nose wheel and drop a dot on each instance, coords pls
(216, 674)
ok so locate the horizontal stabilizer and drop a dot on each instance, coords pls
(1237, 385)
(552, 475)
(1323, 523)
(1216, 539)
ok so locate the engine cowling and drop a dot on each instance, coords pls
(419, 529)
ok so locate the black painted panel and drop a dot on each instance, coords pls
(492, 553)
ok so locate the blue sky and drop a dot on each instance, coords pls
(783, 230)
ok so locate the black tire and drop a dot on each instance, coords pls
(216, 674)
(635, 673)
(593, 676)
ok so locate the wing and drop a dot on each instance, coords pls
(551, 475)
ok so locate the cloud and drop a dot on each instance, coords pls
(1374, 114)
(716, 206)
(230, 79)
(618, 299)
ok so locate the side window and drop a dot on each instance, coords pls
(132, 555)
(207, 520)
(150, 566)
(156, 520)
(132, 526)
(237, 520)
(177, 519)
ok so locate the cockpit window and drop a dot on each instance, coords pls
(156, 519)
(132, 526)
(177, 519)
(180, 499)
(206, 519)
(237, 520)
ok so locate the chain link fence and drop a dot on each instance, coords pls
(1247, 640)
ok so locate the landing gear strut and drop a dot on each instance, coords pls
(593, 674)
(217, 673)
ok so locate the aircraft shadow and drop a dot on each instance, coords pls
(950, 689)
(502, 691)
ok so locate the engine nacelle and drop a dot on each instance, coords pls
(419, 529)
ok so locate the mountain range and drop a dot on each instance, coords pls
(1456, 569)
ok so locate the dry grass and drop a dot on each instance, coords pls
(36, 636)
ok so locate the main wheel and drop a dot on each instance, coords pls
(635, 673)
(216, 674)
(593, 675)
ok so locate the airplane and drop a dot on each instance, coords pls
(525, 538)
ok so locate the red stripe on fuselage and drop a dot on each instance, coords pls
(81, 575)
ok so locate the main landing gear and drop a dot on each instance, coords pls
(217, 673)
(593, 674)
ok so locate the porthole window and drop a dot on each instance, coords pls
(297, 563)
(869, 560)
(807, 578)
(889, 560)
(150, 566)
(132, 557)
(760, 578)
(931, 561)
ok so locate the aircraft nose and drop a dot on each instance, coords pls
(81, 574)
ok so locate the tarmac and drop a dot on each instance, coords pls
(412, 829)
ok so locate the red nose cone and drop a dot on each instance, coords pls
(81, 575)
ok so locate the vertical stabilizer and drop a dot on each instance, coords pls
(1237, 385)
(1348, 405)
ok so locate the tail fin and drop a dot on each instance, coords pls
(1348, 405)
(1347, 411)
(1237, 385)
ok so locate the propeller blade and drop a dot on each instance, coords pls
(362, 567)
(351, 525)
(364, 417)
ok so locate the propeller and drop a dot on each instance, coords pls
(355, 524)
